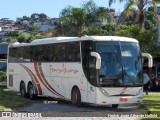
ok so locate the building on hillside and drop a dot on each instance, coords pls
(46, 28)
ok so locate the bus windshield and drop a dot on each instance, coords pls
(121, 64)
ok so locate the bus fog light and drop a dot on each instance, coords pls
(104, 92)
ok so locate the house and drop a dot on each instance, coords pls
(46, 27)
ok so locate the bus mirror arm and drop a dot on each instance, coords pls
(150, 59)
(150, 64)
(98, 59)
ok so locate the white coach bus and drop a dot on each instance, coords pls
(90, 69)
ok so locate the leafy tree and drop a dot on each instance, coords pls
(146, 38)
(150, 21)
(110, 28)
(33, 37)
(75, 21)
(42, 15)
(5, 43)
(34, 16)
(50, 34)
(14, 34)
(12, 39)
(3, 76)
(96, 31)
(140, 5)
(30, 38)
(103, 13)
(33, 29)
(22, 37)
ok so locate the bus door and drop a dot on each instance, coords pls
(88, 63)
(92, 80)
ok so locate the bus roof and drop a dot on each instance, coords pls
(69, 39)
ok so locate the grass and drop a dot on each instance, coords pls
(3, 82)
(152, 102)
(10, 100)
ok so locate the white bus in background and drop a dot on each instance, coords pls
(91, 69)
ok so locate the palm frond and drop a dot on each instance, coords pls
(126, 11)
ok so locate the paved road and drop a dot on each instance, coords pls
(66, 109)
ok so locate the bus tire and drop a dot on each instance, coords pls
(114, 105)
(31, 93)
(76, 97)
(23, 89)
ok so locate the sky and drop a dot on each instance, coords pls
(13, 9)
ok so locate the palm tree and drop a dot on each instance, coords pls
(140, 5)
(74, 21)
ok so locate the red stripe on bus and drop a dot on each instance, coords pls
(35, 79)
(45, 80)
(39, 76)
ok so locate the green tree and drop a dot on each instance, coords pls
(150, 21)
(110, 28)
(146, 38)
(96, 31)
(12, 39)
(14, 34)
(42, 15)
(75, 21)
(140, 5)
(3, 77)
(102, 14)
(22, 38)
(33, 29)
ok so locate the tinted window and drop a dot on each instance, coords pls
(74, 51)
(59, 52)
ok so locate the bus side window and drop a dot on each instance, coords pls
(74, 52)
(60, 52)
(48, 53)
(37, 53)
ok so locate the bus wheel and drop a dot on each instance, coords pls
(76, 97)
(114, 105)
(22, 89)
(31, 93)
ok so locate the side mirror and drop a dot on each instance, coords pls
(150, 59)
(98, 59)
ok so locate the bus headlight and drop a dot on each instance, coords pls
(104, 92)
